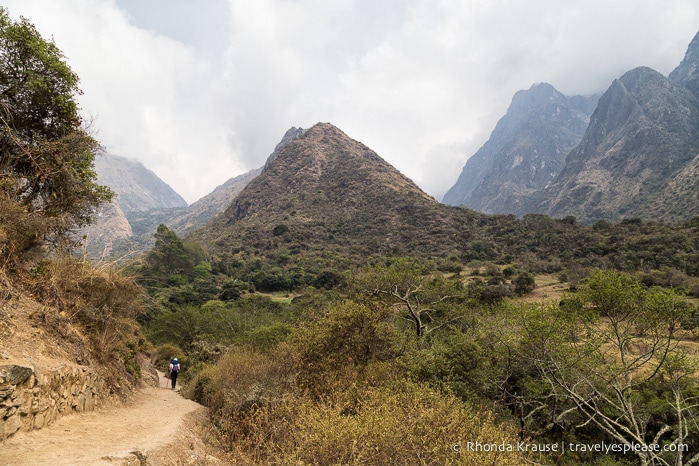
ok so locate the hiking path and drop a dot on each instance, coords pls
(155, 427)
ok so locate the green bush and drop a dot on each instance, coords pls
(163, 354)
(340, 346)
(524, 283)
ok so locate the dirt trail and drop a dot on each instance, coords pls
(154, 418)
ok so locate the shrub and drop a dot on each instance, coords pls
(20, 232)
(280, 229)
(402, 423)
(163, 354)
(238, 388)
(265, 337)
(338, 348)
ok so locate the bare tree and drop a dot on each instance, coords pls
(425, 301)
(606, 346)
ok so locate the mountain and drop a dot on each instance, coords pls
(202, 211)
(138, 189)
(638, 155)
(143, 224)
(325, 194)
(120, 231)
(525, 152)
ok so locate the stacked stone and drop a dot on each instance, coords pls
(31, 399)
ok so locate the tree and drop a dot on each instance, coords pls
(607, 350)
(46, 155)
(524, 283)
(168, 257)
(340, 346)
(424, 301)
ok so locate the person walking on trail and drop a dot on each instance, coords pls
(174, 370)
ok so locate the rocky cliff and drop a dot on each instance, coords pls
(525, 152)
(138, 190)
(642, 140)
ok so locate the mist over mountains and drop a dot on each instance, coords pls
(629, 152)
(525, 153)
(636, 158)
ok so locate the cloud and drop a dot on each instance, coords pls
(150, 96)
(203, 98)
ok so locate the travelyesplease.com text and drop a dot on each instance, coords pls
(563, 447)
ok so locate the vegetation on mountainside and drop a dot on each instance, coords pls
(337, 374)
(275, 262)
(48, 189)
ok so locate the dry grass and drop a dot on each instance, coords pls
(548, 289)
(95, 304)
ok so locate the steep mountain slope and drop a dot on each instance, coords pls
(642, 135)
(687, 73)
(328, 194)
(138, 189)
(202, 211)
(638, 157)
(525, 152)
(110, 226)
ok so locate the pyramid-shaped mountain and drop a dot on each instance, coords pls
(638, 156)
(327, 194)
(525, 152)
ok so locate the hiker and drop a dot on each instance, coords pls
(174, 370)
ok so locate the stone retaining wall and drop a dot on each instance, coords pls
(33, 397)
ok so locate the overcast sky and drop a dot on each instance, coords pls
(201, 91)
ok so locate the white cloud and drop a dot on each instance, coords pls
(421, 82)
(150, 96)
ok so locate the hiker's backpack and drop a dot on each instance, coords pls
(175, 367)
